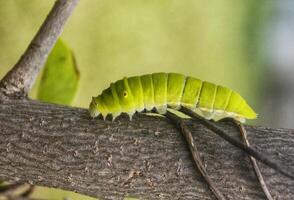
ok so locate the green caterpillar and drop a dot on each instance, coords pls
(162, 90)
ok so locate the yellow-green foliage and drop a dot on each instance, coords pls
(60, 77)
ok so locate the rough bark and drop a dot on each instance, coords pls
(147, 157)
(20, 79)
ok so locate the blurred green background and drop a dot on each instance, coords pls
(212, 40)
(222, 41)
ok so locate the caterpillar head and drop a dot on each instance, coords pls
(93, 108)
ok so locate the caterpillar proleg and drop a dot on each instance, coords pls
(162, 90)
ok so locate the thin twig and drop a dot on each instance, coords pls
(9, 188)
(28, 192)
(18, 81)
(194, 151)
(25, 198)
(254, 162)
(287, 171)
(11, 192)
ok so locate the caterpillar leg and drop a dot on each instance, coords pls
(207, 114)
(240, 119)
(130, 114)
(115, 115)
(253, 161)
(161, 109)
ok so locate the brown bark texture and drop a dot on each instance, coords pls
(62, 147)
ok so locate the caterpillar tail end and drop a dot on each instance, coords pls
(248, 113)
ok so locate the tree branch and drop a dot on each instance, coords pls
(63, 147)
(20, 78)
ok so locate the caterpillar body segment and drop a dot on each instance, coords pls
(148, 93)
(137, 92)
(207, 98)
(162, 90)
(222, 98)
(175, 88)
(125, 97)
(191, 93)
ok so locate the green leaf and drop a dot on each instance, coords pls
(60, 78)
